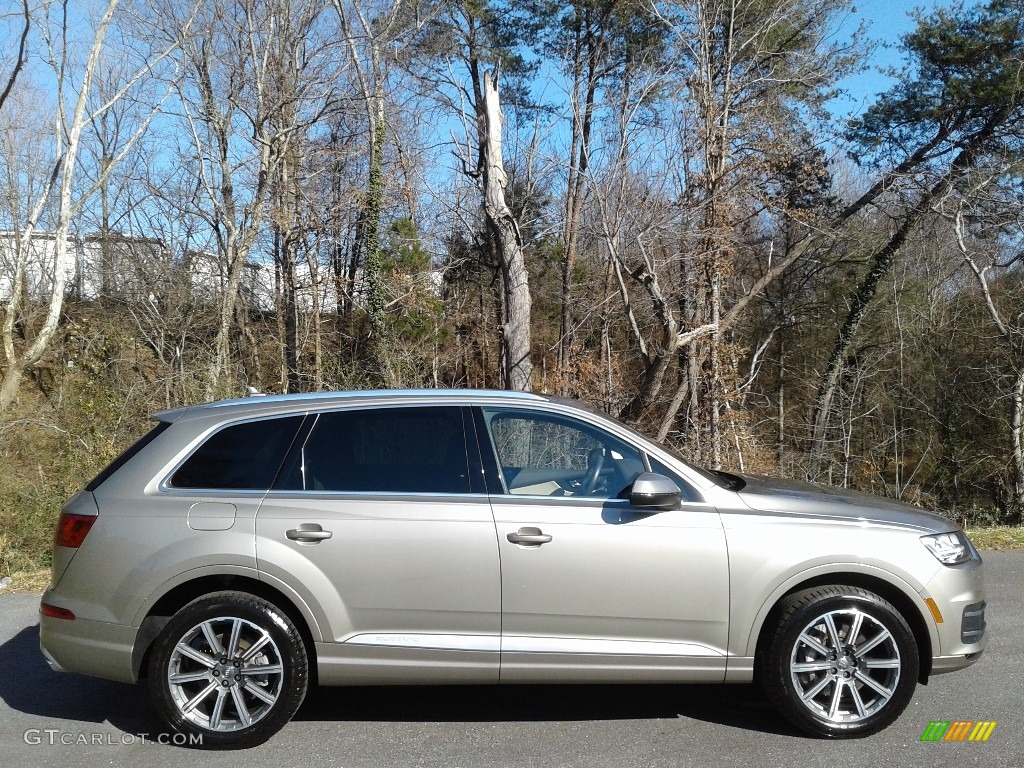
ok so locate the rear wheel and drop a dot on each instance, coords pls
(843, 662)
(229, 670)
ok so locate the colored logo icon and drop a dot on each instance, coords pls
(958, 730)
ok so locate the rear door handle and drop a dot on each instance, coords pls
(308, 533)
(531, 537)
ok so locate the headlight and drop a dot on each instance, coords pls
(950, 548)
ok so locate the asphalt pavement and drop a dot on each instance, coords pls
(68, 720)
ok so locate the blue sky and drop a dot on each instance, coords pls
(887, 21)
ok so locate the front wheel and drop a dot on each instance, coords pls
(228, 671)
(843, 662)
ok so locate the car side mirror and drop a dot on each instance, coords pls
(655, 492)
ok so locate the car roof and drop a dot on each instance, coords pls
(259, 404)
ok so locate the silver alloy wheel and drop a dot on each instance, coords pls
(845, 666)
(225, 674)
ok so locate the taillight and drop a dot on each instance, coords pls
(45, 609)
(72, 529)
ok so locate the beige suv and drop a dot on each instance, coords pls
(244, 548)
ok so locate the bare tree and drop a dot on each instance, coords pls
(367, 46)
(754, 74)
(246, 95)
(591, 40)
(1004, 315)
(517, 366)
(458, 56)
(74, 89)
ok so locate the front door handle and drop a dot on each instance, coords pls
(308, 533)
(531, 537)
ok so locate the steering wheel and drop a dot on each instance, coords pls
(595, 462)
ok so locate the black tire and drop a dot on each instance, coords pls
(215, 692)
(852, 690)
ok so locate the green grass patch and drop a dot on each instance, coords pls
(998, 537)
(27, 521)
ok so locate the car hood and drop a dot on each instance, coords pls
(824, 501)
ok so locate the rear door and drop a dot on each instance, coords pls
(378, 524)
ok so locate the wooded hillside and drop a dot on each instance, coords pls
(660, 208)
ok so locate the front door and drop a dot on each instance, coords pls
(591, 588)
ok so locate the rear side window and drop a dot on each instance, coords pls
(240, 457)
(121, 460)
(396, 450)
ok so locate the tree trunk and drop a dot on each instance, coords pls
(881, 263)
(290, 200)
(1018, 444)
(291, 320)
(376, 293)
(579, 162)
(517, 367)
(216, 385)
(316, 319)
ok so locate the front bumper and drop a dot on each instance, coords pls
(959, 593)
(943, 664)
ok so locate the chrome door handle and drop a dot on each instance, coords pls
(308, 533)
(529, 536)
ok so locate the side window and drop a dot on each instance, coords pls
(544, 455)
(687, 492)
(397, 450)
(127, 455)
(239, 457)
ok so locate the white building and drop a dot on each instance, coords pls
(131, 269)
(94, 266)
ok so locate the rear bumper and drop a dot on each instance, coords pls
(54, 665)
(88, 647)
